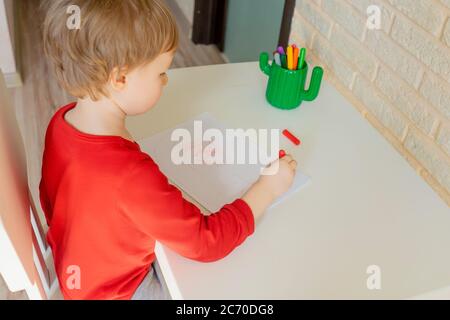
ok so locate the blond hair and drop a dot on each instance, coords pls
(112, 34)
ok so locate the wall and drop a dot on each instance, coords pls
(397, 77)
(7, 61)
(9, 6)
(8, 49)
(187, 7)
(252, 26)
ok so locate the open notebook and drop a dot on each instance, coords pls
(211, 185)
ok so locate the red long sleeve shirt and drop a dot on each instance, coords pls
(106, 203)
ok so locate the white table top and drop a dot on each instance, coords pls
(364, 206)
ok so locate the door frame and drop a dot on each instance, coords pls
(210, 18)
(209, 25)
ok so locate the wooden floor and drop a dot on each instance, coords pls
(39, 97)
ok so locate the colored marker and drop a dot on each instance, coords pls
(281, 50)
(283, 61)
(295, 60)
(301, 60)
(281, 154)
(290, 61)
(274, 54)
(277, 58)
(291, 137)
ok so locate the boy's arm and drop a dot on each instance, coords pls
(159, 210)
(258, 199)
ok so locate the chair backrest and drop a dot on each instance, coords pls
(23, 249)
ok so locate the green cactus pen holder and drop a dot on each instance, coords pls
(286, 88)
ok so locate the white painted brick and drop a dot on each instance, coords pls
(446, 36)
(425, 48)
(406, 66)
(429, 155)
(406, 53)
(446, 3)
(404, 98)
(313, 15)
(443, 137)
(301, 31)
(436, 91)
(386, 12)
(353, 50)
(379, 107)
(345, 15)
(430, 15)
(339, 67)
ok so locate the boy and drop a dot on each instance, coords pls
(105, 201)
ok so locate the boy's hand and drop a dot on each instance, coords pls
(269, 187)
(279, 181)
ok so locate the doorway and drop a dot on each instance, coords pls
(242, 29)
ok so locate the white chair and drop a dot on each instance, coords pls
(25, 258)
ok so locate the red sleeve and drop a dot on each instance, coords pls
(159, 210)
(43, 199)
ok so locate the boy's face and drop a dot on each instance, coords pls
(143, 85)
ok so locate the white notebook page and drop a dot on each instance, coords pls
(211, 185)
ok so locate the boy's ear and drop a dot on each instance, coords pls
(118, 78)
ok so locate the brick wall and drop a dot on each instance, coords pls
(398, 76)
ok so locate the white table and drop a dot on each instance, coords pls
(364, 206)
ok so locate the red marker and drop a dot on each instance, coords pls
(281, 154)
(291, 137)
